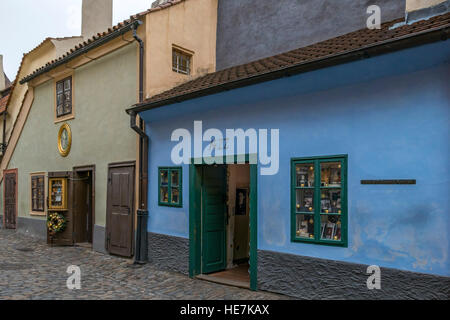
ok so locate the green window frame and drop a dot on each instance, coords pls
(170, 187)
(319, 209)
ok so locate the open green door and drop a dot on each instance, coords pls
(214, 218)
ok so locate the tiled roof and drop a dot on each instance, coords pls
(102, 35)
(299, 58)
(15, 82)
(3, 102)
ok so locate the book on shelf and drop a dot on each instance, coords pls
(329, 230)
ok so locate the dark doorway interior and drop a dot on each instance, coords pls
(83, 205)
(226, 224)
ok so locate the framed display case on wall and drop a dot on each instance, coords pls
(57, 194)
(319, 200)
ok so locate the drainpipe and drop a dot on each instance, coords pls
(4, 132)
(141, 250)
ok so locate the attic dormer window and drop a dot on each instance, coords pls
(64, 97)
(181, 61)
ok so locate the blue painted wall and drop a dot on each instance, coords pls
(390, 114)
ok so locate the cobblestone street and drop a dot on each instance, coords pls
(29, 269)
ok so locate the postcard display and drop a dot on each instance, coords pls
(58, 194)
(57, 200)
(329, 202)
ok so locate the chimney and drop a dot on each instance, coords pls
(96, 17)
(424, 9)
(2, 75)
(158, 3)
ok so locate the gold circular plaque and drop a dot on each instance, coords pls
(64, 140)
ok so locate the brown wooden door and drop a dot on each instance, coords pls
(10, 198)
(120, 210)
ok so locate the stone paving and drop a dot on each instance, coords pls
(30, 269)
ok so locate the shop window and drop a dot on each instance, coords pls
(170, 187)
(38, 194)
(64, 98)
(181, 61)
(319, 200)
(57, 194)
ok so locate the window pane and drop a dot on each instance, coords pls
(59, 110)
(175, 178)
(41, 182)
(67, 97)
(164, 194)
(305, 226)
(164, 177)
(41, 205)
(330, 174)
(330, 227)
(59, 99)
(59, 87)
(67, 84)
(304, 200)
(175, 195)
(304, 173)
(181, 62)
(330, 201)
(67, 107)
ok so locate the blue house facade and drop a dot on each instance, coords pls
(358, 177)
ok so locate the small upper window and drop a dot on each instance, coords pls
(181, 61)
(64, 97)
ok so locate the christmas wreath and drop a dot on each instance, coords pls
(56, 223)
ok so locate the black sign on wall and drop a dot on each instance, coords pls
(396, 181)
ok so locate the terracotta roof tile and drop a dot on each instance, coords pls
(3, 103)
(357, 40)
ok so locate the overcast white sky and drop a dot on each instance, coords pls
(25, 23)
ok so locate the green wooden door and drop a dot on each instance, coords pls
(214, 219)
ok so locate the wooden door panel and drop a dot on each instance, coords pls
(214, 219)
(120, 226)
(81, 208)
(213, 251)
(10, 199)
